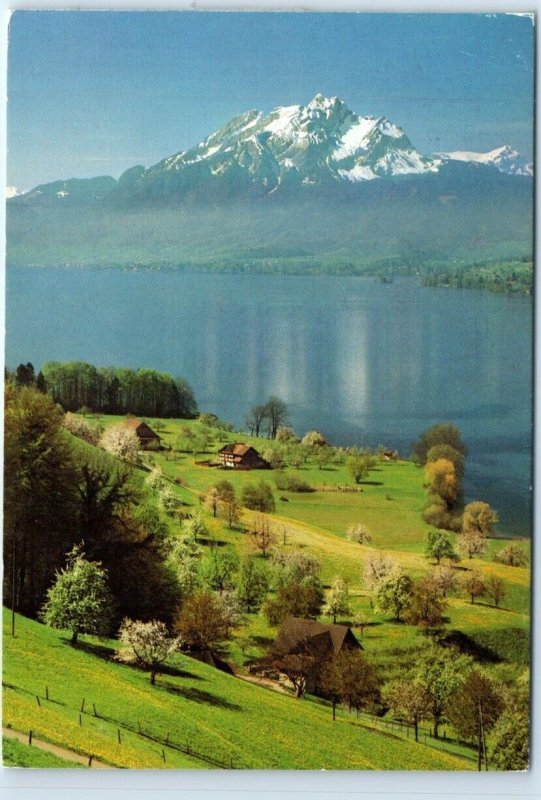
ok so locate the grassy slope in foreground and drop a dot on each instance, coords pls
(229, 719)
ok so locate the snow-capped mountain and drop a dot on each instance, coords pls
(505, 159)
(292, 148)
(320, 142)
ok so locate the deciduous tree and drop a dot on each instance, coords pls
(474, 708)
(121, 442)
(201, 622)
(359, 533)
(495, 589)
(480, 518)
(442, 433)
(146, 644)
(392, 593)
(408, 702)
(337, 602)
(262, 534)
(426, 605)
(437, 673)
(253, 584)
(474, 585)
(439, 545)
(258, 497)
(79, 600)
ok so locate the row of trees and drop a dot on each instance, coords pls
(77, 385)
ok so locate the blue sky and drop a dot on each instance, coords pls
(93, 93)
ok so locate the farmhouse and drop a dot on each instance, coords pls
(148, 439)
(297, 635)
(303, 646)
(241, 456)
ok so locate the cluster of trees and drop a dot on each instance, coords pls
(57, 494)
(267, 417)
(77, 385)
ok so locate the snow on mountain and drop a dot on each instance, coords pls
(505, 159)
(320, 142)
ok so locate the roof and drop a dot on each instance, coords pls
(237, 449)
(140, 427)
(296, 630)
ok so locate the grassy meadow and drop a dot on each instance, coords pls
(197, 717)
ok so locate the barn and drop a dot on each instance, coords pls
(241, 456)
(148, 439)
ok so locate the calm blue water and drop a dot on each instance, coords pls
(365, 363)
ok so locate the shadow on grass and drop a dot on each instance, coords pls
(199, 696)
(469, 646)
(98, 650)
(370, 483)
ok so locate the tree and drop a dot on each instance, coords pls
(471, 543)
(155, 480)
(376, 566)
(258, 496)
(121, 442)
(350, 679)
(286, 434)
(313, 439)
(253, 584)
(146, 644)
(495, 589)
(262, 534)
(441, 480)
(437, 673)
(474, 585)
(212, 499)
(298, 600)
(392, 593)
(449, 453)
(40, 497)
(408, 702)
(231, 609)
(445, 577)
(510, 739)
(426, 605)
(358, 466)
(359, 533)
(474, 709)
(24, 375)
(255, 418)
(323, 456)
(201, 622)
(480, 518)
(185, 559)
(80, 428)
(337, 599)
(294, 566)
(442, 433)
(276, 414)
(439, 546)
(514, 555)
(79, 600)
(167, 500)
(228, 505)
(195, 526)
(297, 667)
(218, 569)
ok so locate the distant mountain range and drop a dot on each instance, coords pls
(322, 162)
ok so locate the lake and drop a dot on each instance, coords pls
(364, 362)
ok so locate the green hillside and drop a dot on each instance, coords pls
(194, 707)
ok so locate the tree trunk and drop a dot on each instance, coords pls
(74, 637)
(334, 710)
(152, 676)
(416, 727)
(436, 727)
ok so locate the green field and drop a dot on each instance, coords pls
(197, 717)
(193, 708)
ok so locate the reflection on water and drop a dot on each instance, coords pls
(364, 362)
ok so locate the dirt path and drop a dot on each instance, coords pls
(69, 755)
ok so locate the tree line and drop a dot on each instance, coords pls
(76, 385)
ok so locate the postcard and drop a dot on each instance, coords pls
(268, 391)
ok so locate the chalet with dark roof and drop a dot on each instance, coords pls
(241, 456)
(148, 439)
(304, 645)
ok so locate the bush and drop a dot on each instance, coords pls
(513, 555)
(289, 482)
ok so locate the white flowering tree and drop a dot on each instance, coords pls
(121, 442)
(79, 600)
(146, 644)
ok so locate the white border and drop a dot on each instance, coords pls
(274, 785)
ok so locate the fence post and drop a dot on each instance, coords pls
(46, 692)
(37, 698)
(118, 734)
(80, 720)
(90, 760)
(30, 737)
(94, 707)
(83, 706)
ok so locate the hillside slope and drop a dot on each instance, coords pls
(192, 709)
